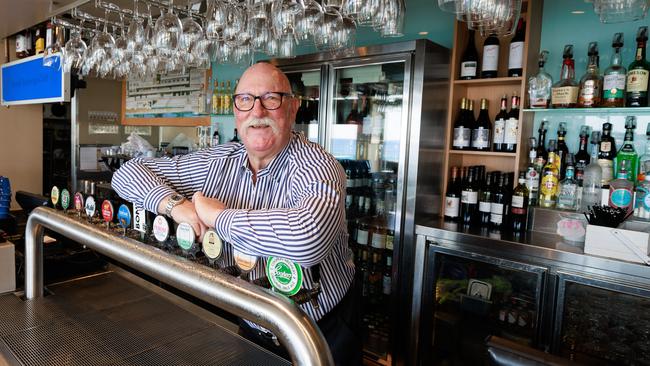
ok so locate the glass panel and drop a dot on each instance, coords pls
(365, 137)
(306, 87)
(474, 299)
(602, 326)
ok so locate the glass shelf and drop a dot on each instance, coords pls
(165, 115)
(490, 81)
(583, 111)
(221, 114)
(483, 153)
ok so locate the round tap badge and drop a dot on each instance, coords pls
(90, 206)
(160, 228)
(185, 236)
(54, 196)
(78, 201)
(245, 262)
(124, 216)
(212, 245)
(107, 211)
(284, 275)
(65, 199)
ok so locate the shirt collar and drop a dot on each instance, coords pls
(277, 164)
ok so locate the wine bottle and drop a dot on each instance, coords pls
(482, 128)
(469, 61)
(490, 65)
(235, 138)
(512, 126)
(542, 154)
(638, 73)
(516, 55)
(469, 199)
(519, 205)
(500, 125)
(582, 156)
(500, 203)
(462, 128)
(562, 149)
(452, 197)
(485, 200)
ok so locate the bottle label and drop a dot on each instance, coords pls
(532, 180)
(620, 197)
(480, 138)
(549, 185)
(608, 170)
(499, 131)
(452, 206)
(20, 43)
(469, 197)
(557, 161)
(512, 130)
(386, 285)
(564, 95)
(484, 206)
(589, 92)
(605, 146)
(490, 57)
(518, 202)
(516, 56)
(614, 86)
(462, 137)
(362, 237)
(496, 213)
(390, 238)
(637, 80)
(468, 69)
(378, 240)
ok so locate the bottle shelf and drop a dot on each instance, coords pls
(583, 111)
(221, 114)
(491, 81)
(482, 153)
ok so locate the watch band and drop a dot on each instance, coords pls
(172, 202)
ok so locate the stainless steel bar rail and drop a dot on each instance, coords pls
(298, 333)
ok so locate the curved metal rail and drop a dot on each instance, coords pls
(298, 333)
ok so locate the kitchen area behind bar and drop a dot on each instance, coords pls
(497, 167)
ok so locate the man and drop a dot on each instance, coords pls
(276, 194)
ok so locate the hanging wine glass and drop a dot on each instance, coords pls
(168, 32)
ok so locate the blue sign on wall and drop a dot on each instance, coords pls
(27, 81)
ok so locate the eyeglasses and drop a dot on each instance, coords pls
(270, 101)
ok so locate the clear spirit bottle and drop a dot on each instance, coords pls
(614, 80)
(591, 179)
(539, 85)
(564, 93)
(627, 151)
(567, 196)
(591, 83)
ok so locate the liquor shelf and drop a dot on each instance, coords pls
(590, 111)
(514, 80)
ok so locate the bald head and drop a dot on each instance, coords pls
(263, 73)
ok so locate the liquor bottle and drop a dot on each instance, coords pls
(539, 85)
(550, 179)
(614, 80)
(500, 205)
(500, 125)
(562, 149)
(485, 200)
(215, 137)
(216, 98)
(642, 197)
(469, 199)
(235, 138)
(645, 157)
(564, 93)
(542, 154)
(568, 189)
(469, 62)
(592, 177)
(21, 46)
(638, 73)
(621, 189)
(39, 46)
(387, 278)
(222, 98)
(627, 151)
(606, 154)
(532, 174)
(353, 116)
(516, 54)
(582, 156)
(490, 65)
(591, 83)
(512, 126)
(482, 128)
(452, 197)
(463, 127)
(49, 35)
(227, 99)
(519, 205)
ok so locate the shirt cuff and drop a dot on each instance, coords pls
(157, 194)
(223, 223)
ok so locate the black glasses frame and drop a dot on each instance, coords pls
(255, 97)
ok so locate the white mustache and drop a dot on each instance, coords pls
(261, 122)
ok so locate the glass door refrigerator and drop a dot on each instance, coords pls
(377, 110)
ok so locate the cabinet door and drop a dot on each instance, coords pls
(306, 87)
(473, 296)
(602, 321)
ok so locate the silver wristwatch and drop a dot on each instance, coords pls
(175, 199)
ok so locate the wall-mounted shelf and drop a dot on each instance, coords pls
(584, 111)
(492, 81)
(482, 153)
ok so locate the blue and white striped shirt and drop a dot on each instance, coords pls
(295, 210)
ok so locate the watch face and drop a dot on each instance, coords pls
(177, 198)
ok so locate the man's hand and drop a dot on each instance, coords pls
(186, 212)
(207, 208)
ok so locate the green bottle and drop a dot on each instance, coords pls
(627, 151)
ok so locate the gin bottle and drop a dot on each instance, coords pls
(564, 93)
(627, 151)
(614, 80)
(621, 189)
(591, 179)
(539, 85)
(567, 196)
(591, 84)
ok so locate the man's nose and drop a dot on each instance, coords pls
(258, 110)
